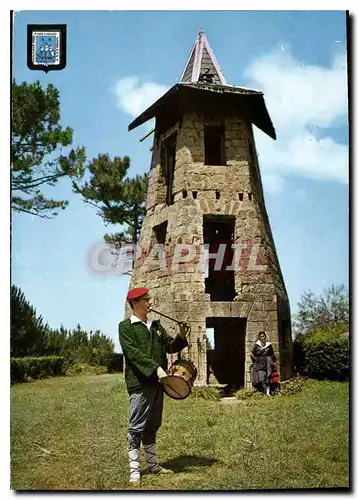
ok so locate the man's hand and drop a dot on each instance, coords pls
(161, 373)
(184, 329)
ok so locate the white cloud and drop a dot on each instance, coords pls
(273, 183)
(134, 97)
(301, 99)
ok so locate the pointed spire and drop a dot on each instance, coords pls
(202, 65)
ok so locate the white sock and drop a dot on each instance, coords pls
(134, 458)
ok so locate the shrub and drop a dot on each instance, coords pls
(323, 354)
(327, 359)
(18, 369)
(208, 393)
(74, 369)
(116, 363)
(291, 386)
(37, 367)
(287, 388)
(251, 392)
(86, 369)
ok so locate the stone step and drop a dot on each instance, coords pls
(229, 399)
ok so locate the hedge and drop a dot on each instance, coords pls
(116, 363)
(322, 358)
(37, 367)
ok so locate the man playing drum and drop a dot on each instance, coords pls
(145, 344)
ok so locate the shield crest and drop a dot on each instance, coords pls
(46, 48)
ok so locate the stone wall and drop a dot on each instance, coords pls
(180, 291)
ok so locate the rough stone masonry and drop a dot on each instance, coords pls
(205, 197)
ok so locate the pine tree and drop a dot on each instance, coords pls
(119, 199)
(36, 137)
(27, 330)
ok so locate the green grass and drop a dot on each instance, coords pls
(70, 434)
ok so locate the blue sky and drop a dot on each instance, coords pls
(118, 63)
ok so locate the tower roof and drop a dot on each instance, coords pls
(202, 65)
(236, 101)
(203, 86)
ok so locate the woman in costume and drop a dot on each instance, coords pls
(263, 357)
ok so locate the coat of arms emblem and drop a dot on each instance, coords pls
(46, 47)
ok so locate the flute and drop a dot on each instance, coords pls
(186, 325)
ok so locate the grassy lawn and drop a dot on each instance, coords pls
(70, 434)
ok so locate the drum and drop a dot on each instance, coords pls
(180, 379)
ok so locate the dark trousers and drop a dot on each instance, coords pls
(146, 407)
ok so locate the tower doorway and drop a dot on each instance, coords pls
(227, 358)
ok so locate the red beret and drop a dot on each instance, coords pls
(136, 293)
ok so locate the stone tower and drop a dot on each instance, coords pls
(206, 249)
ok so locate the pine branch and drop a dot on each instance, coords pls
(31, 212)
(33, 183)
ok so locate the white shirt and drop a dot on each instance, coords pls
(261, 345)
(135, 319)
